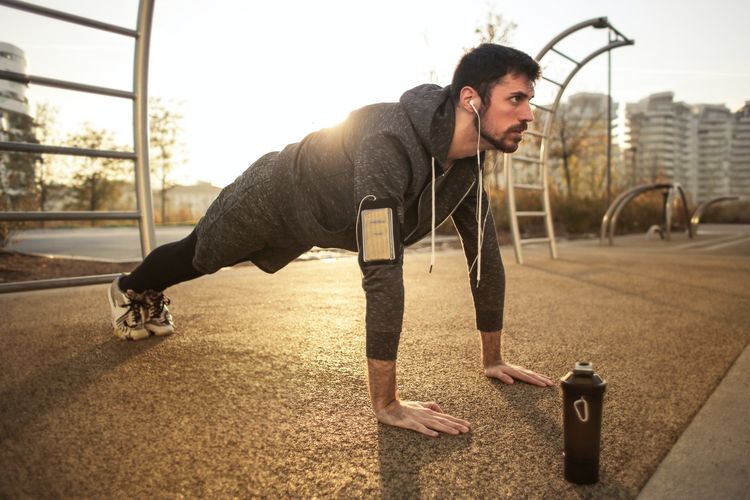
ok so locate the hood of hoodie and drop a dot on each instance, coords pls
(432, 114)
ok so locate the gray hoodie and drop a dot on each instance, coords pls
(309, 193)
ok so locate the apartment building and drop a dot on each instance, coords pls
(662, 145)
(704, 147)
(12, 94)
(16, 172)
(714, 134)
(739, 154)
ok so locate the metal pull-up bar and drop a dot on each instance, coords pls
(139, 96)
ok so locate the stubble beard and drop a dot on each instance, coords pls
(504, 143)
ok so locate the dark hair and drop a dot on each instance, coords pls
(482, 67)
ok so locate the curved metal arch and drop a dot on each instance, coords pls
(609, 221)
(619, 209)
(624, 198)
(574, 72)
(596, 22)
(619, 41)
(695, 219)
(676, 188)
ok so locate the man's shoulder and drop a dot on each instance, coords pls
(378, 113)
(387, 119)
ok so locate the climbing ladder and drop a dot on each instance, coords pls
(139, 96)
(541, 132)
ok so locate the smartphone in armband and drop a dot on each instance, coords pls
(379, 232)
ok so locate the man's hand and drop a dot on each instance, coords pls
(426, 418)
(508, 373)
(495, 367)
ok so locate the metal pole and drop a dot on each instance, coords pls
(140, 127)
(511, 199)
(28, 147)
(62, 84)
(609, 121)
(64, 16)
(68, 215)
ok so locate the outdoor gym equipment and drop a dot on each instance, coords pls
(670, 189)
(139, 95)
(540, 159)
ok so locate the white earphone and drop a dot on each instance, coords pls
(480, 189)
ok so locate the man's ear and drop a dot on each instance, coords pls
(468, 100)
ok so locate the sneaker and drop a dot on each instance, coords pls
(158, 318)
(127, 313)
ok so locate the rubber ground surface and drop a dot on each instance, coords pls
(262, 392)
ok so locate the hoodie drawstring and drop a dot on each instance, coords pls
(432, 257)
(481, 224)
(480, 228)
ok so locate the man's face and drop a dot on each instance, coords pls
(509, 112)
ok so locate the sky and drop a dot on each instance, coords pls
(251, 77)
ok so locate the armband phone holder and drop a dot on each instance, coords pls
(379, 232)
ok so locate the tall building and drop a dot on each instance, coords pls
(714, 133)
(739, 155)
(12, 95)
(662, 145)
(704, 147)
(16, 171)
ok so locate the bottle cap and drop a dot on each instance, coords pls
(584, 368)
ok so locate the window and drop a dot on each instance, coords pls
(10, 56)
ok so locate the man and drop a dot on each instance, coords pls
(381, 180)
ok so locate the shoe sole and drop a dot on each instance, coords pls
(158, 332)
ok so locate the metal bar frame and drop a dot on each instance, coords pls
(695, 219)
(607, 217)
(68, 216)
(63, 84)
(27, 286)
(28, 147)
(621, 41)
(139, 95)
(69, 18)
(140, 126)
(611, 216)
(675, 190)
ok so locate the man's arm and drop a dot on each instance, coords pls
(426, 418)
(494, 367)
(376, 176)
(489, 295)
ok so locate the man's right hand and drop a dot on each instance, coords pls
(426, 418)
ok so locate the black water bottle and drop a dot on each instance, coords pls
(583, 397)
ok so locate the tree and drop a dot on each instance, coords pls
(95, 180)
(16, 169)
(45, 119)
(578, 143)
(496, 29)
(164, 127)
(17, 190)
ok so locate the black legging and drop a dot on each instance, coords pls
(165, 266)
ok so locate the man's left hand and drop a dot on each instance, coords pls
(508, 373)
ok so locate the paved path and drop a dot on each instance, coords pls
(263, 391)
(110, 243)
(123, 243)
(710, 460)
